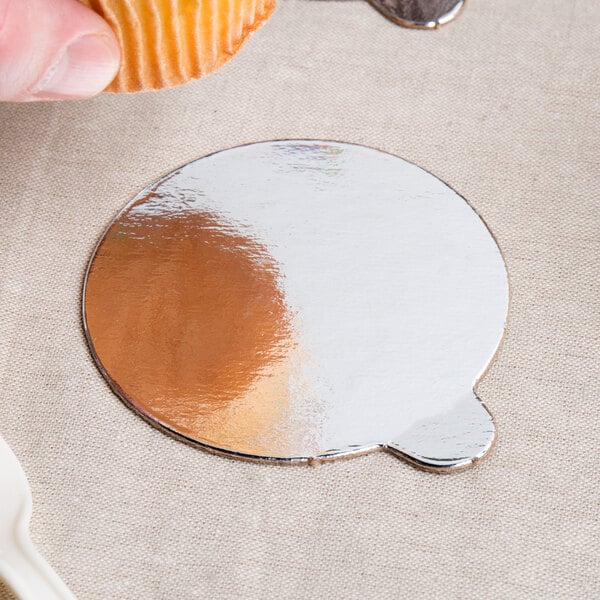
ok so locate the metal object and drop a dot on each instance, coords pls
(419, 14)
(301, 300)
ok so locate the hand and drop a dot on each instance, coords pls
(54, 50)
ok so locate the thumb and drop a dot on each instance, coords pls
(53, 50)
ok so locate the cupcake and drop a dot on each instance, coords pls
(169, 42)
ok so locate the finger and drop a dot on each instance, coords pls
(53, 50)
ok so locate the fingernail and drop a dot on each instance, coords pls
(82, 70)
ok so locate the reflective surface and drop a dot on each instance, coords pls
(420, 14)
(302, 300)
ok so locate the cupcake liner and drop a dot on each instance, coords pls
(169, 42)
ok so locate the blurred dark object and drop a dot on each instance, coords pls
(420, 14)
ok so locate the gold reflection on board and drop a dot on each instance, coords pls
(186, 315)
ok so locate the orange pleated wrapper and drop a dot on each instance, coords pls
(169, 42)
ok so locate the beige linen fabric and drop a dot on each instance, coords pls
(504, 105)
